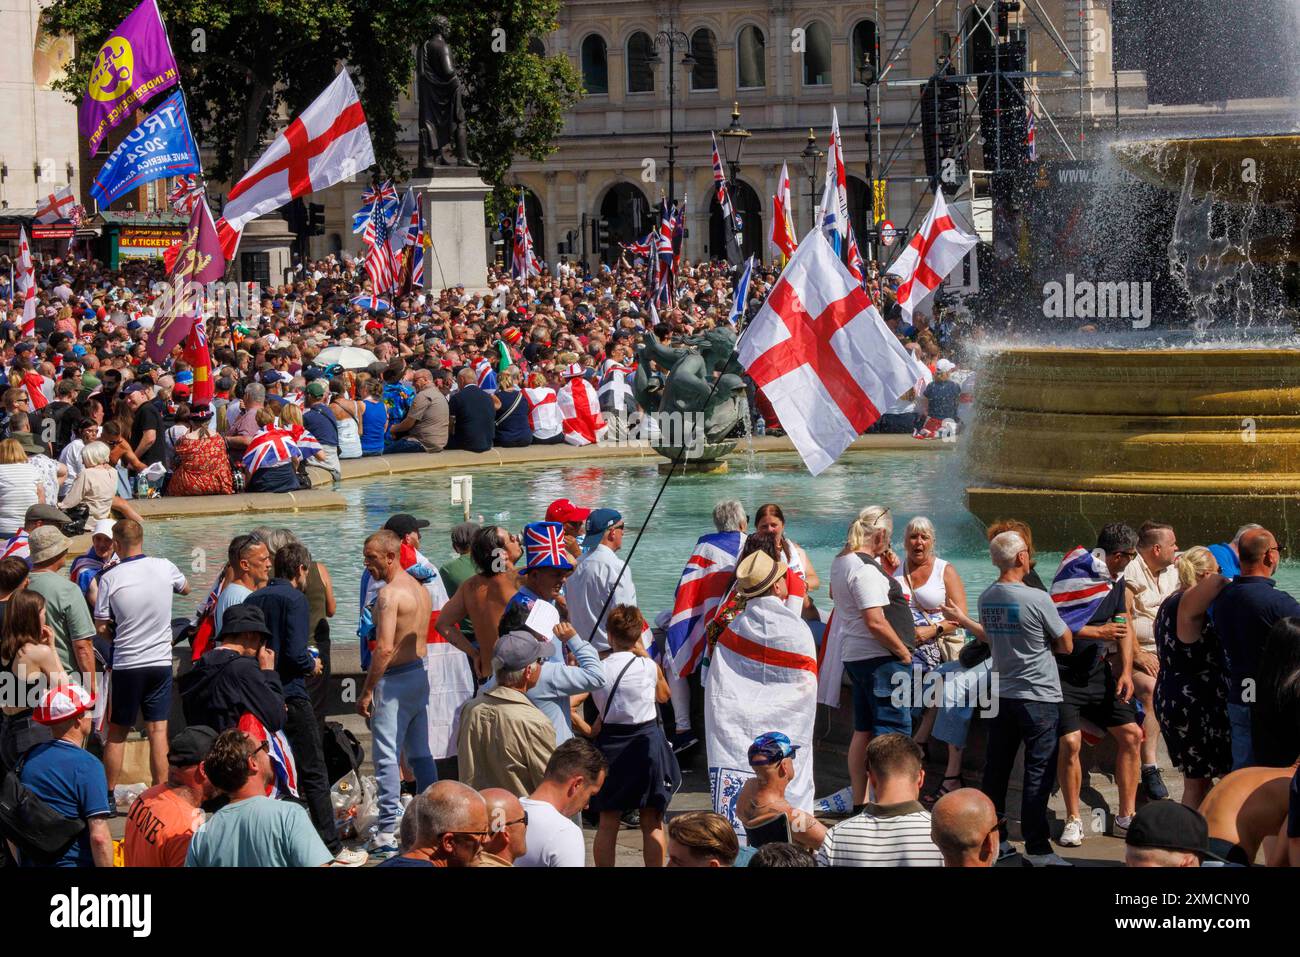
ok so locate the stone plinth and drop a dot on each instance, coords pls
(453, 198)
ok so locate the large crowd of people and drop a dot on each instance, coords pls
(518, 689)
(445, 370)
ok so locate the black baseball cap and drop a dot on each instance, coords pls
(1170, 826)
(191, 746)
(242, 618)
(403, 524)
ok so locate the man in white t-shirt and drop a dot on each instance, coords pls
(134, 612)
(574, 773)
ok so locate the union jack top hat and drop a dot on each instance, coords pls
(544, 547)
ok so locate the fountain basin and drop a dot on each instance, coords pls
(1069, 439)
(1232, 167)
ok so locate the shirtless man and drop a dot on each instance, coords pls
(762, 798)
(395, 698)
(483, 597)
(1246, 810)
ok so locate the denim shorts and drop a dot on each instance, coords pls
(874, 682)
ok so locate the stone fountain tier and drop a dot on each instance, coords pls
(1234, 168)
(1069, 439)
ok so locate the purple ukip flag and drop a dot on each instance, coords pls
(191, 264)
(132, 65)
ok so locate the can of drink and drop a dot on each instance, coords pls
(1120, 620)
(314, 652)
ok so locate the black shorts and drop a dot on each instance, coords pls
(139, 690)
(1093, 697)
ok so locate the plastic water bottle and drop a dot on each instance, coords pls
(760, 427)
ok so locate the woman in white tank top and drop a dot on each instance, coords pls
(931, 583)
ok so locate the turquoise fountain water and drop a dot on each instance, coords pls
(817, 511)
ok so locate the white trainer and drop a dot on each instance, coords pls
(1072, 836)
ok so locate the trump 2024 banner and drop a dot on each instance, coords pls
(162, 145)
(133, 64)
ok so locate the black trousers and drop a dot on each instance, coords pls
(303, 732)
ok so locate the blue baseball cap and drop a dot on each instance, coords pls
(184, 378)
(770, 748)
(599, 522)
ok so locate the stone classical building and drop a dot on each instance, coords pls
(786, 64)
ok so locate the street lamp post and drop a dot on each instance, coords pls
(867, 77)
(811, 156)
(671, 38)
(733, 143)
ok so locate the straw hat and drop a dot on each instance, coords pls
(757, 573)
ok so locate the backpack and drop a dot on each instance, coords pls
(343, 752)
(42, 834)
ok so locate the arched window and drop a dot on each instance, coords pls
(864, 45)
(817, 55)
(640, 73)
(704, 48)
(537, 48)
(751, 59)
(595, 64)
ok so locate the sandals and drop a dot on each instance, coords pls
(930, 799)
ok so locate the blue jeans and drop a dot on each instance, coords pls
(1034, 723)
(399, 723)
(1243, 749)
(399, 446)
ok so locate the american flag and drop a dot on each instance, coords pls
(386, 196)
(546, 548)
(699, 592)
(524, 262)
(1031, 141)
(269, 448)
(185, 194)
(381, 265)
(1081, 584)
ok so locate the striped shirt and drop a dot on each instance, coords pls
(883, 835)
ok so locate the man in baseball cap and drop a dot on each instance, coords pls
(69, 779)
(403, 524)
(573, 518)
(587, 592)
(771, 756)
(33, 518)
(505, 741)
(238, 676)
(1168, 834)
(163, 819)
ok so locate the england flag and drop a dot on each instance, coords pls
(936, 249)
(326, 144)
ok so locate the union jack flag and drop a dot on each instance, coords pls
(269, 448)
(545, 550)
(278, 750)
(720, 185)
(1082, 582)
(487, 378)
(17, 546)
(699, 592)
(524, 263)
(381, 265)
(641, 247)
(386, 196)
(372, 301)
(857, 268)
(307, 443)
(416, 237)
(185, 194)
(1031, 140)
(663, 290)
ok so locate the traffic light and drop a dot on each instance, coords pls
(315, 219)
(295, 216)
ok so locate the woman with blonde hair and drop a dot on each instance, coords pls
(874, 633)
(1191, 700)
(20, 487)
